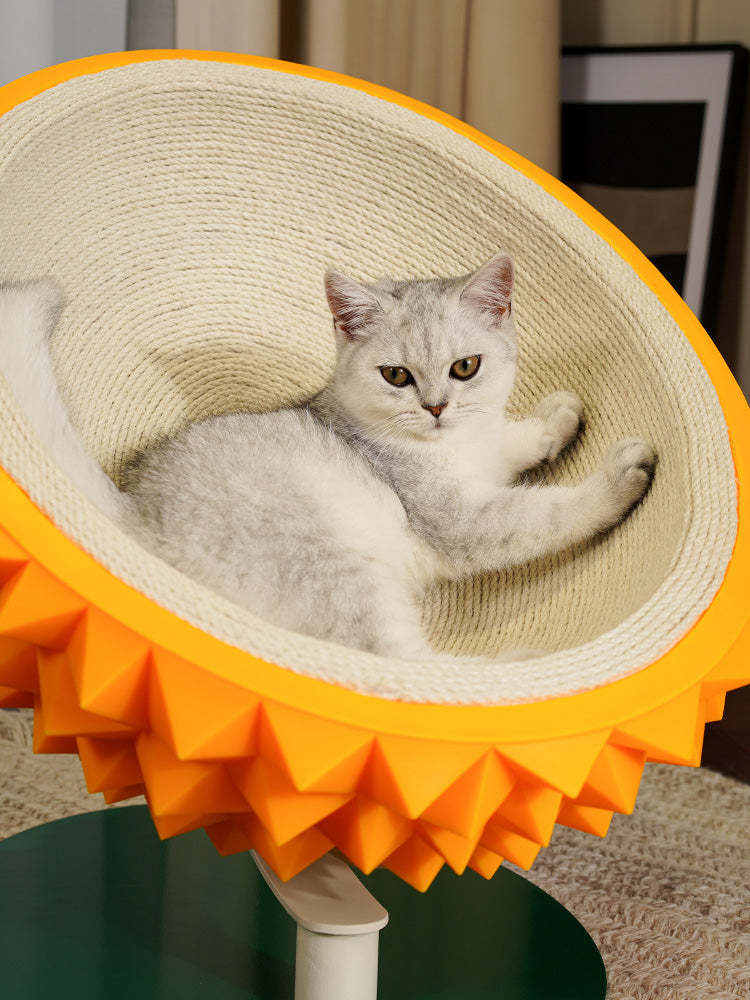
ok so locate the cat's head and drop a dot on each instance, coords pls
(418, 359)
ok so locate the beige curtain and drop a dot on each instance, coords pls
(492, 63)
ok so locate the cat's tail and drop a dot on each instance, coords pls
(28, 315)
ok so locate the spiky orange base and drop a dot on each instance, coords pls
(291, 784)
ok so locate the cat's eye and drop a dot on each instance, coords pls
(396, 376)
(466, 367)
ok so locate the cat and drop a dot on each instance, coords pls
(332, 518)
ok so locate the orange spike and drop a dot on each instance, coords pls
(112, 795)
(63, 715)
(13, 698)
(530, 810)
(36, 607)
(173, 826)
(614, 779)
(108, 764)
(12, 557)
(407, 775)
(714, 707)
(283, 810)
(292, 857)
(469, 802)
(457, 851)
(109, 664)
(228, 839)
(416, 862)
(177, 788)
(366, 832)
(18, 666)
(669, 733)
(518, 850)
(186, 702)
(484, 862)
(594, 821)
(562, 764)
(42, 741)
(317, 754)
(694, 759)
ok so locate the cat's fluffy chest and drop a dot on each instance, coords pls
(470, 456)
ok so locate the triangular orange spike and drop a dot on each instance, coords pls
(13, 698)
(291, 858)
(530, 810)
(186, 703)
(416, 862)
(366, 832)
(63, 716)
(614, 779)
(109, 664)
(407, 775)
(173, 826)
(667, 734)
(714, 707)
(18, 667)
(467, 805)
(694, 759)
(457, 851)
(108, 764)
(594, 821)
(484, 862)
(36, 607)
(563, 764)
(518, 850)
(284, 812)
(317, 754)
(112, 795)
(42, 742)
(12, 557)
(228, 838)
(179, 788)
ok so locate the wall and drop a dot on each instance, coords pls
(671, 22)
(39, 33)
(493, 63)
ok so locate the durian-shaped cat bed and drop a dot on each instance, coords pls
(188, 204)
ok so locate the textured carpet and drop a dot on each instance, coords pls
(665, 895)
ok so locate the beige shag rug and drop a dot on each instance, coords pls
(665, 895)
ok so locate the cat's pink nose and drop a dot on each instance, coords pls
(435, 410)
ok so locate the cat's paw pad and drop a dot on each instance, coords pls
(629, 467)
(562, 413)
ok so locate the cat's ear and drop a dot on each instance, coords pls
(489, 289)
(353, 306)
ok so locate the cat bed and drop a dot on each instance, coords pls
(188, 204)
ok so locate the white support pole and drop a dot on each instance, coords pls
(338, 923)
(336, 966)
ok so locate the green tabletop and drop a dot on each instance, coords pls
(97, 908)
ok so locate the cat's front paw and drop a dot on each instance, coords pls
(629, 468)
(562, 414)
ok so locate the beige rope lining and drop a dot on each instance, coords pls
(189, 209)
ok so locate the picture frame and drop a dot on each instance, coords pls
(650, 137)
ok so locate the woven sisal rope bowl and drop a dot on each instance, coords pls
(188, 204)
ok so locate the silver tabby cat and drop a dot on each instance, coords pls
(332, 518)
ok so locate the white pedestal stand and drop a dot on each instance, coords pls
(338, 923)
